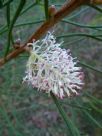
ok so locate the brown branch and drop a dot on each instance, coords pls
(96, 1)
(65, 10)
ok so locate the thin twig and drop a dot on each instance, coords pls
(65, 10)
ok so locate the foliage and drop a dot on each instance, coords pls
(25, 111)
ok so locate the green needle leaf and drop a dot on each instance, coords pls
(82, 25)
(46, 9)
(12, 130)
(90, 67)
(93, 36)
(97, 8)
(8, 14)
(20, 7)
(91, 118)
(71, 127)
(3, 4)
(28, 7)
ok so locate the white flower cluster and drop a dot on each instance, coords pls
(51, 68)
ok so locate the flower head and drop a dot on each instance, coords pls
(51, 68)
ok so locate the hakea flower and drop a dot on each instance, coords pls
(51, 68)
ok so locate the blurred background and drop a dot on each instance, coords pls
(25, 111)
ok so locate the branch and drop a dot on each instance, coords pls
(65, 10)
(96, 1)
